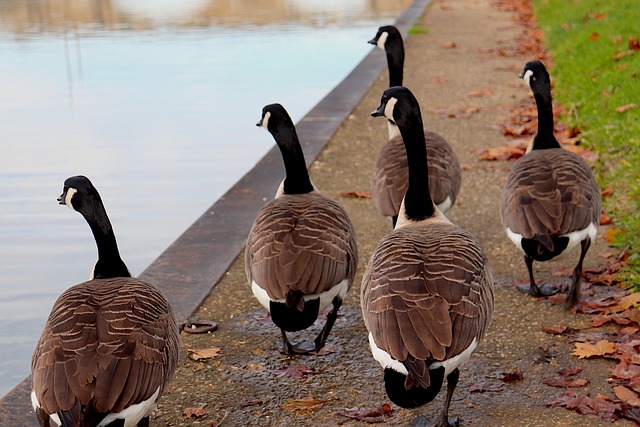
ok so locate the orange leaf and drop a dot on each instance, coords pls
(306, 404)
(449, 45)
(502, 153)
(607, 191)
(610, 234)
(626, 107)
(625, 302)
(605, 219)
(594, 36)
(480, 93)
(440, 80)
(626, 395)
(194, 412)
(203, 353)
(356, 194)
(601, 348)
(588, 155)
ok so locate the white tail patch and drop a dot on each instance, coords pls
(134, 413)
(326, 297)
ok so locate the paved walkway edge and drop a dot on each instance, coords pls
(191, 266)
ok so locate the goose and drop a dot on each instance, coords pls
(301, 253)
(427, 291)
(390, 179)
(551, 201)
(110, 345)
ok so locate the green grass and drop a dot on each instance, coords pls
(416, 29)
(583, 36)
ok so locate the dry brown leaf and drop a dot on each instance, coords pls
(634, 44)
(610, 234)
(356, 194)
(440, 80)
(566, 381)
(618, 56)
(506, 152)
(627, 396)
(203, 353)
(554, 330)
(588, 155)
(607, 191)
(623, 108)
(480, 93)
(306, 404)
(194, 412)
(449, 45)
(625, 302)
(601, 348)
(605, 219)
(295, 371)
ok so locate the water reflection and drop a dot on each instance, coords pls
(155, 101)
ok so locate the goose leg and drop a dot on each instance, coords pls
(303, 347)
(544, 290)
(574, 292)
(144, 422)
(331, 319)
(443, 419)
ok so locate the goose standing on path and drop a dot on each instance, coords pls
(427, 292)
(390, 179)
(551, 200)
(301, 253)
(110, 345)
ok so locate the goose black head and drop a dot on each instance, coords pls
(274, 116)
(536, 77)
(79, 193)
(384, 34)
(398, 105)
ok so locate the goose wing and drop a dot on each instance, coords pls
(391, 176)
(301, 242)
(427, 295)
(550, 192)
(107, 344)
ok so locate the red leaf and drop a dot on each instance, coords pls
(370, 417)
(627, 396)
(557, 330)
(512, 377)
(599, 405)
(295, 371)
(564, 381)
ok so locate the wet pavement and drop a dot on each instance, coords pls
(251, 384)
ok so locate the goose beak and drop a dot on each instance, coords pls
(259, 124)
(379, 111)
(373, 41)
(61, 199)
(521, 75)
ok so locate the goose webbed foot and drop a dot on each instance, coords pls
(544, 290)
(303, 347)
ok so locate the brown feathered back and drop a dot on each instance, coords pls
(108, 343)
(548, 193)
(391, 176)
(301, 242)
(427, 292)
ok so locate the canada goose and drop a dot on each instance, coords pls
(427, 292)
(551, 200)
(390, 179)
(301, 251)
(110, 345)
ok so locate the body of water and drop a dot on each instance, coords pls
(156, 102)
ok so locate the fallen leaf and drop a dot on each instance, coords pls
(554, 330)
(586, 350)
(588, 155)
(607, 191)
(480, 93)
(369, 417)
(327, 349)
(304, 405)
(627, 396)
(594, 36)
(203, 353)
(356, 194)
(605, 219)
(512, 377)
(547, 354)
(599, 405)
(194, 412)
(625, 302)
(506, 152)
(634, 44)
(449, 45)
(564, 381)
(294, 371)
(440, 80)
(627, 317)
(626, 107)
(610, 234)
(618, 56)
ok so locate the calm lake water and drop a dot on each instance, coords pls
(156, 102)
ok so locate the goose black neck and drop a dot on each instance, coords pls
(395, 61)
(418, 204)
(109, 263)
(297, 177)
(544, 138)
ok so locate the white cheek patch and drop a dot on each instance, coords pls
(67, 200)
(388, 109)
(527, 77)
(265, 120)
(382, 40)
